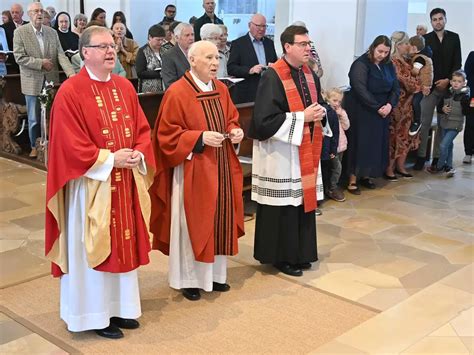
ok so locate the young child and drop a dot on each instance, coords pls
(334, 147)
(455, 107)
(422, 67)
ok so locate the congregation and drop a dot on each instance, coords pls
(111, 189)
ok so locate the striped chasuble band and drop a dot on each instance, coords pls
(223, 219)
(310, 148)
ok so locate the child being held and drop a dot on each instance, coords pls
(422, 67)
(334, 147)
(454, 107)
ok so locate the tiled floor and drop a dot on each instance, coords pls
(405, 249)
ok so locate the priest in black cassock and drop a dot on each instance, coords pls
(287, 131)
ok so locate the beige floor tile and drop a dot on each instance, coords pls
(19, 265)
(11, 330)
(31, 344)
(428, 275)
(469, 343)
(461, 223)
(396, 267)
(445, 331)
(336, 348)
(438, 345)
(423, 202)
(460, 279)
(464, 323)
(32, 223)
(9, 244)
(383, 299)
(441, 195)
(403, 325)
(433, 243)
(398, 233)
(9, 204)
(354, 282)
(463, 255)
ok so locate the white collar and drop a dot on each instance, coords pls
(36, 31)
(202, 85)
(93, 77)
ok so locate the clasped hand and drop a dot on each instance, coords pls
(314, 112)
(384, 111)
(127, 158)
(215, 139)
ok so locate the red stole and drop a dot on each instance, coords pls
(310, 149)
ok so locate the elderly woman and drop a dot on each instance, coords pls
(212, 33)
(127, 49)
(374, 91)
(402, 115)
(69, 40)
(80, 22)
(149, 61)
(119, 16)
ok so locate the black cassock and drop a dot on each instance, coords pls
(282, 233)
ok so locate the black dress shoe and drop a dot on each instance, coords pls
(368, 183)
(289, 269)
(392, 178)
(220, 287)
(405, 175)
(124, 323)
(111, 332)
(303, 266)
(191, 294)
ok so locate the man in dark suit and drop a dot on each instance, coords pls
(175, 61)
(249, 56)
(208, 17)
(446, 48)
(16, 11)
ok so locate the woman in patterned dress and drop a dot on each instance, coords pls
(402, 115)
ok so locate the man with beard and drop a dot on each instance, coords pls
(446, 58)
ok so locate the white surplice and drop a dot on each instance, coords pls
(89, 298)
(184, 270)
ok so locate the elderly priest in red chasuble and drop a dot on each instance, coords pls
(100, 167)
(197, 212)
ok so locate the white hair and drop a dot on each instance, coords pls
(210, 29)
(178, 29)
(30, 6)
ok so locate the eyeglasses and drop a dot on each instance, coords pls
(37, 11)
(259, 26)
(103, 47)
(303, 44)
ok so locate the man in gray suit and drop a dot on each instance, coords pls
(38, 52)
(175, 61)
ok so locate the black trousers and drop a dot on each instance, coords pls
(285, 234)
(469, 135)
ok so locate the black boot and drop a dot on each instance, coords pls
(420, 164)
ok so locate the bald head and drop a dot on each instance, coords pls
(258, 26)
(204, 60)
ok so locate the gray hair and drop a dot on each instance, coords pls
(299, 23)
(178, 29)
(210, 29)
(79, 17)
(86, 36)
(31, 5)
(423, 26)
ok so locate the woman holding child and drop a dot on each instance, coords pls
(374, 91)
(402, 115)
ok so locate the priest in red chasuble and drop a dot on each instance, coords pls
(287, 131)
(197, 212)
(100, 167)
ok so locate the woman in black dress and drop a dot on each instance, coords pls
(374, 92)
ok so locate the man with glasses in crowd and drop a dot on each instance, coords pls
(170, 14)
(38, 52)
(98, 206)
(249, 57)
(287, 132)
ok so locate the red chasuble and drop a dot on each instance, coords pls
(212, 179)
(310, 148)
(88, 118)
